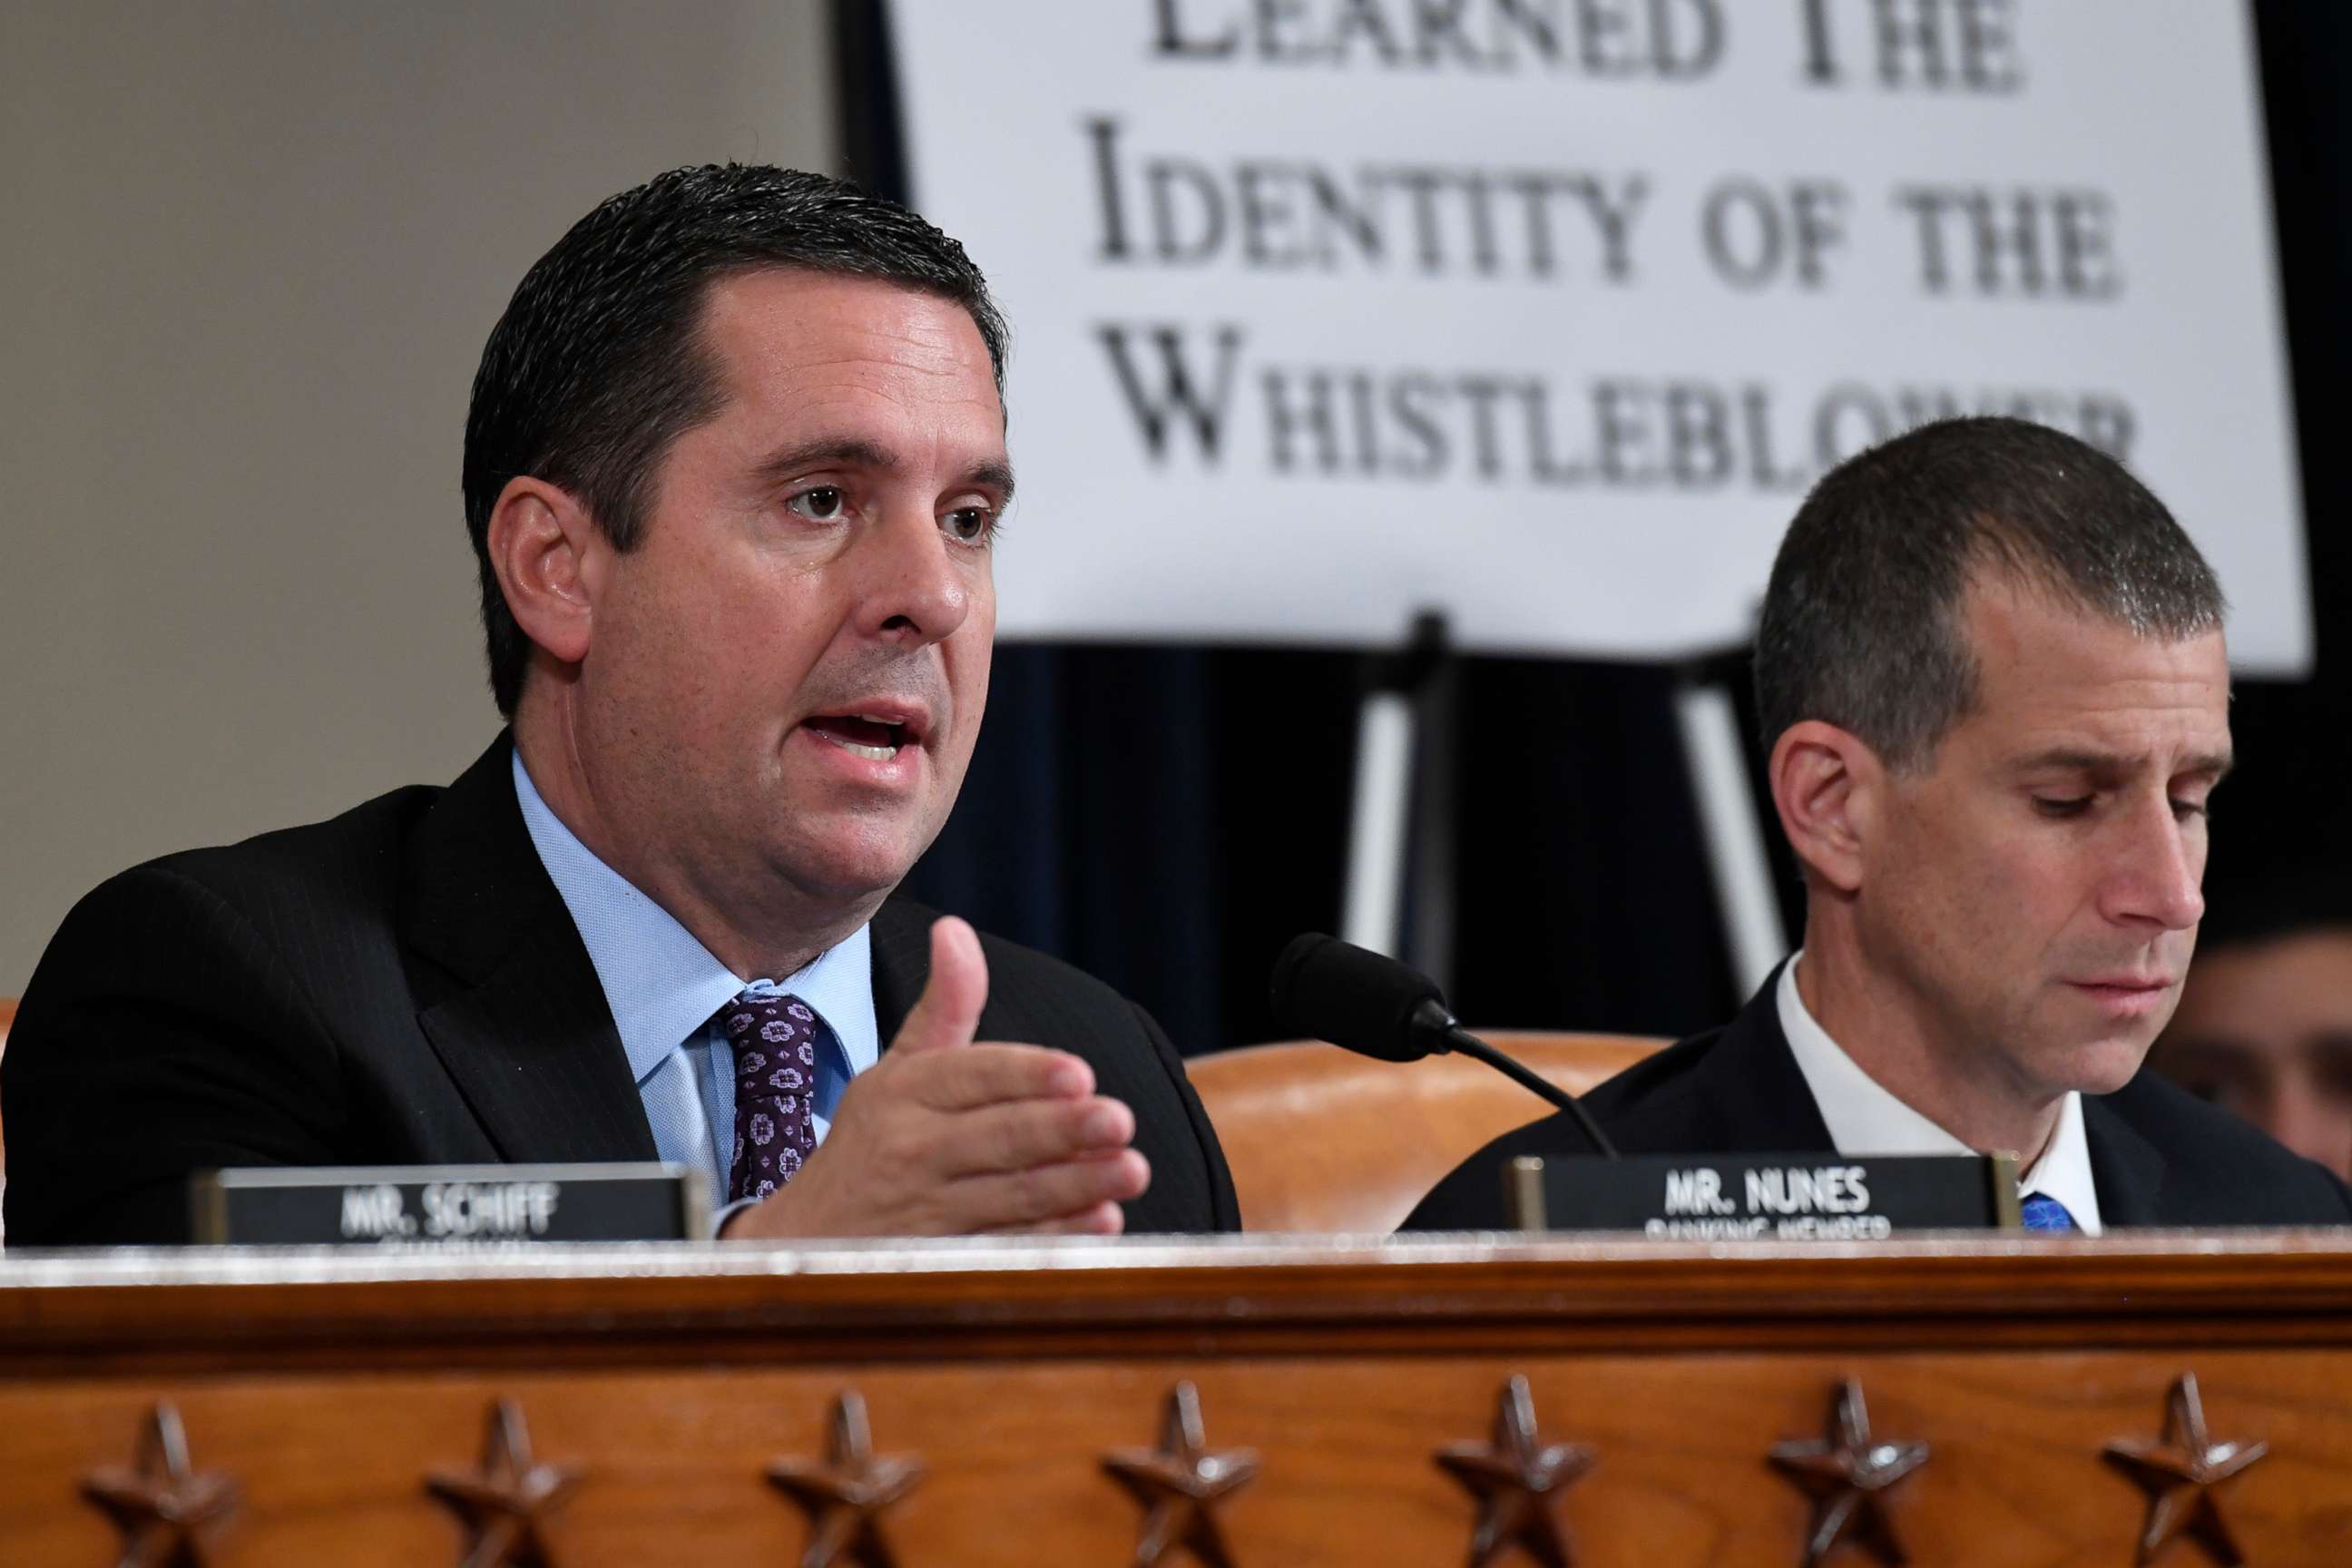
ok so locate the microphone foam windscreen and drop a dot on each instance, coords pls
(1326, 989)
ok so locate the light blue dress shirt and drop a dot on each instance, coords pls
(664, 990)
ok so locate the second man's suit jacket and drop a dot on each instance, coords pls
(403, 984)
(2158, 1155)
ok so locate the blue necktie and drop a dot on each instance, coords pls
(2043, 1212)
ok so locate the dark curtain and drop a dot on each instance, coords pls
(1167, 817)
(2283, 829)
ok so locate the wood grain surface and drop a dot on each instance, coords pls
(673, 1378)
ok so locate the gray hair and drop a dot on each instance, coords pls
(1861, 627)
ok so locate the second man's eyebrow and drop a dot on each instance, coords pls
(2117, 764)
(2218, 763)
(856, 453)
(2074, 760)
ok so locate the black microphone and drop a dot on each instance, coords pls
(1326, 989)
(1333, 990)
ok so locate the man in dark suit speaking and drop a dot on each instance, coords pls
(1992, 683)
(733, 467)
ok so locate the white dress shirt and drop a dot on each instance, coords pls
(1864, 1119)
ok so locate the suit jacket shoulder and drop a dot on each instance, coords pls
(185, 1017)
(399, 986)
(2158, 1155)
(403, 984)
(2161, 1156)
(1732, 1089)
(1035, 999)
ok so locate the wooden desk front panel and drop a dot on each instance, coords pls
(1345, 1405)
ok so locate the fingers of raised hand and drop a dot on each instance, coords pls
(1073, 1196)
(1103, 1219)
(991, 1074)
(1019, 1134)
(1068, 1195)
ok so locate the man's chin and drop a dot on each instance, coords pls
(2105, 1064)
(860, 867)
(2111, 1034)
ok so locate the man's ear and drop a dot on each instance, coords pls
(543, 546)
(1826, 785)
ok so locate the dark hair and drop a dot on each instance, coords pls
(1861, 627)
(2254, 908)
(596, 366)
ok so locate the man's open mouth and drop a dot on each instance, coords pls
(862, 734)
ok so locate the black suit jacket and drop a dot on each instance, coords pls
(403, 985)
(2158, 1155)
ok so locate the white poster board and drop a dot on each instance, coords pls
(1545, 313)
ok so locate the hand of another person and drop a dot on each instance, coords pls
(947, 1137)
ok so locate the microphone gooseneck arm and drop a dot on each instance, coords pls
(1368, 1003)
(1461, 1042)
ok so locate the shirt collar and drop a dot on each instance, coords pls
(661, 984)
(838, 984)
(1863, 1117)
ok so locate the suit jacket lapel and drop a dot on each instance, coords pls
(2126, 1170)
(521, 1022)
(901, 934)
(1751, 1090)
(900, 937)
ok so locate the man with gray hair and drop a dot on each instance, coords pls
(1995, 699)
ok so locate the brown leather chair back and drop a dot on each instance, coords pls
(1323, 1140)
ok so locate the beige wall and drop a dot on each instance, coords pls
(250, 254)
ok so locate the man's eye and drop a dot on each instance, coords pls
(2061, 806)
(2188, 809)
(2331, 1053)
(972, 524)
(820, 503)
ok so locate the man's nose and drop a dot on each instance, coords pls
(912, 585)
(2157, 878)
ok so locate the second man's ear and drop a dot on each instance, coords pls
(1825, 785)
(545, 548)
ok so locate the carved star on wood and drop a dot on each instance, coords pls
(507, 1501)
(845, 1495)
(1847, 1475)
(2181, 1473)
(1180, 1484)
(166, 1510)
(1518, 1479)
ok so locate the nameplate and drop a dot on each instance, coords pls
(436, 1207)
(1766, 1197)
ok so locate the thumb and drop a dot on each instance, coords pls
(948, 1011)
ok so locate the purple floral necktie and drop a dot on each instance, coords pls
(775, 1037)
